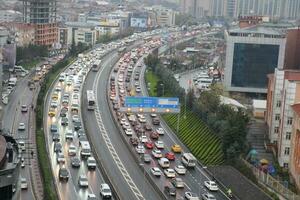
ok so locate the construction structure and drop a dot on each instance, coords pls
(42, 13)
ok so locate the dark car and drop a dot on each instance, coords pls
(63, 174)
(75, 162)
(77, 125)
(147, 127)
(170, 190)
(154, 135)
(57, 147)
(53, 128)
(155, 121)
(55, 137)
(64, 121)
(134, 141)
(63, 112)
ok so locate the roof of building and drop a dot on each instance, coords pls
(296, 108)
(80, 24)
(259, 104)
(292, 75)
(230, 101)
(258, 29)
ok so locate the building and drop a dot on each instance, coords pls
(259, 108)
(292, 50)
(246, 66)
(23, 33)
(9, 166)
(196, 8)
(63, 36)
(43, 15)
(108, 26)
(163, 16)
(217, 8)
(10, 16)
(283, 92)
(79, 32)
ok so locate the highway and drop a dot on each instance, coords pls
(115, 156)
(21, 95)
(69, 189)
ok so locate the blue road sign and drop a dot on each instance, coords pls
(151, 102)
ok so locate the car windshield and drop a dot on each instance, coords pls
(106, 190)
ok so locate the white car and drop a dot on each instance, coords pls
(159, 144)
(83, 181)
(21, 126)
(60, 158)
(69, 135)
(140, 149)
(178, 182)
(24, 184)
(170, 173)
(153, 115)
(156, 153)
(91, 197)
(53, 104)
(126, 125)
(208, 196)
(75, 96)
(143, 138)
(75, 118)
(211, 185)
(123, 121)
(191, 196)
(155, 171)
(142, 119)
(105, 191)
(24, 108)
(160, 131)
(72, 150)
(91, 163)
(180, 169)
(128, 131)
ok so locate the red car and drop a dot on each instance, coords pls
(149, 145)
(170, 156)
(154, 135)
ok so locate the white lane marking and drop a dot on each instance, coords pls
(108, 143)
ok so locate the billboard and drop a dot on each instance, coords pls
(139, 20)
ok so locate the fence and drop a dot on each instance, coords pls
(270, 182)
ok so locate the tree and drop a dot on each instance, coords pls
(160, 88)
(190, 98)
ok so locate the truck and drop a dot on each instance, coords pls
(85, 149)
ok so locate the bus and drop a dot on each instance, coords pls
(90, 99)
(96, 66)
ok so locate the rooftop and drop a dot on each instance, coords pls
(296, 108)
(258, 29)
(259, 104)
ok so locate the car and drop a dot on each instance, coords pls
(177, 182)
(24, 108)
(153, 115)
(55, 137)
(126, 125)
(211, 185)
(128, 131)
(75, 118)
(208, 196)
(63, 112)
(191, 196)
(138, 89)
(156, 153)
(170, 173)
(140, 149)
(159, 144)
(180, 169)
(22, 126)
(176, 148)
(149, 144)
(134, 141)
(105, 191)
(142, 119)
(91, 163)
(170, 156)
(170, 190)
(154, 135)
(57, 89)
(77, 125)
(146, 158)
(69, 135)
(53, 104)
(24, 184)
(143, 138)
(53, 128)
(83, 181)
(147, 127)
(80, 133)
(64, 121)
(63, 174)
(75, 162)
(155, 171)
(57, 147)
(51, 112)
(60, 158)
(155, 121)
(123, 121)
(160, 131)
(91, 196)
(72, 150)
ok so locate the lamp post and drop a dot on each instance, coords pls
(163, 87)
(144, 177)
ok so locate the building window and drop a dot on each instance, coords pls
(289, 121)
(276, 130)
(277, 117)
(288, 135)
(278, 103)
(286, 165)
(287, 151)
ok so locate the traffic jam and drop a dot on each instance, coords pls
(167, 165)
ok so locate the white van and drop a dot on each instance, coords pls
(85, 149)
(164, 163)
(188, 160)
(22, 145)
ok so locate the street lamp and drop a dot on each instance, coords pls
(163, 86)
(144, 178)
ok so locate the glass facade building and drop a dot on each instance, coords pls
(252, 63)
